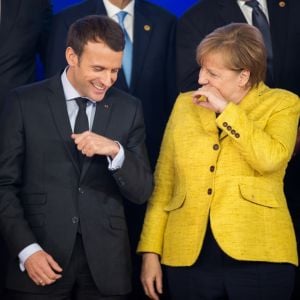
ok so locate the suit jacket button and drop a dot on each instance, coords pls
(237, 135)
(229, 128)
(211, 168)
(209, 191)
(75, 220)
(233, 131)
(81, 190)
(225, 124)
(216, 147)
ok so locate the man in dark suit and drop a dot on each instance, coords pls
(23, 33)
(207, 15)
(152, 32)
(61, 194)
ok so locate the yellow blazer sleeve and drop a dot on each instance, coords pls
(269, 144)
(151, 239)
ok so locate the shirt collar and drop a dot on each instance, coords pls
(112, 10)
(69, 91)
(262, 3)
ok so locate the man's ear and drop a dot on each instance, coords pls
(244, 78)
(71, 57)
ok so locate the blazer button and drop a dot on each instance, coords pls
(81, 190)
(209, 191)
(233, 131)
(237, 135)
(216, 147)
(225, 124)
(75, 220)
(229, 128)
(211, 168)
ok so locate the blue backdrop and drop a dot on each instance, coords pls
(175, 6)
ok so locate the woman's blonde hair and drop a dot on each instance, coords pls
(242, 47)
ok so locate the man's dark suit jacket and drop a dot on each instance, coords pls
(43, 194)
(153, 72)
(207, 15)
(23, 34)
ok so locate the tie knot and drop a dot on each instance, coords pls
(121, 16)
(252, 3)
(81, 102)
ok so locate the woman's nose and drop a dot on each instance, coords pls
(202, 78)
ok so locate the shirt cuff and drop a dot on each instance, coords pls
(26, 252)
(117, 162)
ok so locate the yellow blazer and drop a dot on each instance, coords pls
(235, 179)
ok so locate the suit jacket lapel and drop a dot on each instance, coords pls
(9, 13)
(59, 111)
(278, 17)
(143, 28)
(100, 8)
(230, 11)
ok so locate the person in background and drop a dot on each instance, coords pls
(284, 28)
(23, 35)
(218, 218)
(72, 147)
(150, 32)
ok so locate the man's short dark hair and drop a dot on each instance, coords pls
(95, 28)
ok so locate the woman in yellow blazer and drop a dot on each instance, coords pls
(218, 217)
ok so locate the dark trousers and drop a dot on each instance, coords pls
(76, 283)
(216, 276)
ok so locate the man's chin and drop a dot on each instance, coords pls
(98, 97)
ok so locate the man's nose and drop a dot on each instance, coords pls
(107, 78)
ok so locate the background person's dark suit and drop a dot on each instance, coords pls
(40, 178)
(23, 34)
(206, 16)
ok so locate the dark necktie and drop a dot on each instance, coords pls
(260, 21)
(127, 53)
(81, 123)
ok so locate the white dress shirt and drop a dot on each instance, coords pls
(247, 10)
(112, 11)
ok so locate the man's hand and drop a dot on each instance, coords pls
(151, 276)
(90, 143)
(42, 268)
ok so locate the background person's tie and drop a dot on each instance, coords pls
(260, 21)
(81, 123)
(127, 54)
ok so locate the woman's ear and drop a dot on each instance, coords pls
(244, 78)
